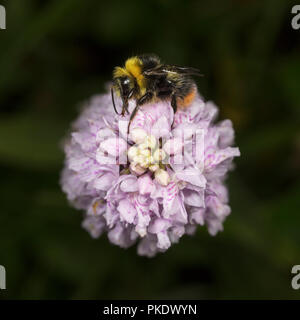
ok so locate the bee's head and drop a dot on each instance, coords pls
(124, 85)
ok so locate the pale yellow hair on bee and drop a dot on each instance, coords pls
(134, 66)
(121, 72)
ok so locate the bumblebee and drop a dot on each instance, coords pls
(145, 79)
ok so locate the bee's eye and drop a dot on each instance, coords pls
(125, 84)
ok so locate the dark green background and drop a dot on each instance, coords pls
(55, 54)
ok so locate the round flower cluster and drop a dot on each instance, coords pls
(154, 184)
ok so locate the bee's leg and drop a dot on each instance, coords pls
(130, 94)
(143, 99)
(125, 108)
(174, 105)
(113, 101)
(136, 109)
(174, 102)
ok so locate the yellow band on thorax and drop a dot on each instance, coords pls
(134, 66)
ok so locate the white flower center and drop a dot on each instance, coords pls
(147, 155)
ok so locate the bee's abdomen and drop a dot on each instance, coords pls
(186, 100)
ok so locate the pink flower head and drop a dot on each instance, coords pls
(156, 183)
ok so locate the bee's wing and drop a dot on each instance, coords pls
(184, 70)
(164, 69)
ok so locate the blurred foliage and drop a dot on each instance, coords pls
(55, 54)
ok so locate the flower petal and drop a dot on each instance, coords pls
(159, 225)
(193, 198)
(173, 146)
(192, 176)
(114, 146)
(127, 211)
(163, 241)
(145, 184)
(104, 182)
(129, 184)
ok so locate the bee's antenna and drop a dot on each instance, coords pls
(113, 101)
